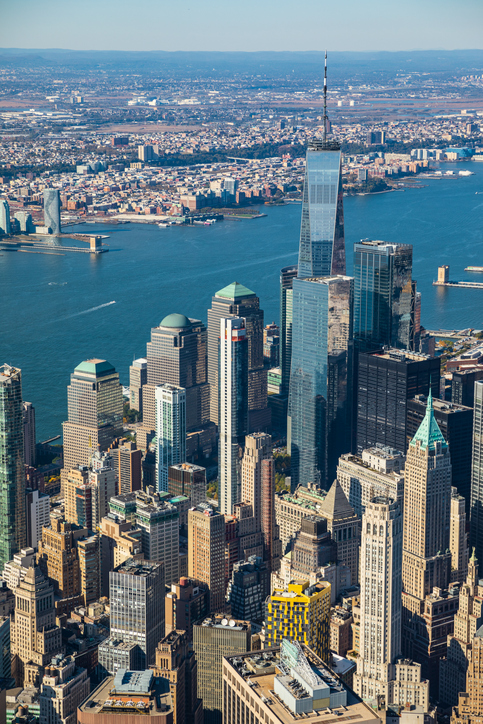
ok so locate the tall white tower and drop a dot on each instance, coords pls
(170, 431)
(233, 410)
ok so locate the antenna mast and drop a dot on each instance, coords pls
(325, 99)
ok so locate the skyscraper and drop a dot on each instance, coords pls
(176, 355)
(136, 596)
(29, 439)
(476, 506)
(4, 217)
(380, 631)
(138, 376)
(206, 551)
(52, 210)
(470, 702)
(300, 614)
(34, 636)
(233, 419)
(382, 294)
(212, 640)
(13, 531)
(170, 430)
(322, 249)
(126, 461)
(235, 300)
(385, 382)
(287, 275)
(426, 560)
(321, 373)
(94, 404)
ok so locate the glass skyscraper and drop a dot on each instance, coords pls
(287, 275)
(322, 249)
(170, 430)
(12, 473)
(476, 514)
(383, 295)
(321, 372)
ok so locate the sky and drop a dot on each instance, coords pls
(242, 25)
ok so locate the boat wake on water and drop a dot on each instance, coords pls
(86, 311)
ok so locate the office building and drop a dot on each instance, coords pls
(458, 537)
(380, 608)
(158, 520)
(463, 385)
(287, 275)
(385, 382)
(136, 596)
(34, 637)
(214, 638)
(301, 613)
(176, 355)
(187, 602)
(138, 377)
(206, 552)
(14, 571)
(126, 461)
(29, 438)
(468, 619)
(64, 687)
(52, 211)
(236, 301)
(189, 480)
(94, 403)
(476, 500)
(312, 547)
(37, 513)
(233, 417)
(145, 153)
(112, 701)
(5, 227)
(378, 471)
(321, 377)
(342, 522)
(470, 701)
(456, 424)
(176, 662)
(246, 591)
(322, 248)
(285, 685)
(119, 540)
(13, 533)
(170, 430)
(87, 491)
(382, 295)
(69, 555)
(258, 489)
(115, 654)
(25, 220)
(426, 560)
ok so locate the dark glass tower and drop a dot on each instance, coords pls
(319, 403)
(476, 515)
(287, 275)
(382, 295)
(12, 473)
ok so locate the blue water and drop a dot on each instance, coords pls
(55, 310)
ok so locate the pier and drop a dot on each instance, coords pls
(443, 280)
(39, 246)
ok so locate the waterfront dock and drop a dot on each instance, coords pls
(39, 246)
(443, 280)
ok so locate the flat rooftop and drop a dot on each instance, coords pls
(106, 700)
(259, 669)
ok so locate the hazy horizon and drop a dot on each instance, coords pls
(218, 26)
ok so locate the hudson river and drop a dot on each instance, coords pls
(58, 310)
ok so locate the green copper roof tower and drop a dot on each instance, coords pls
(428, 433)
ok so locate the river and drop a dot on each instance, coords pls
(60, 310)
